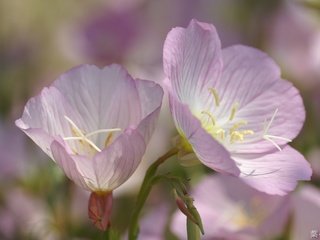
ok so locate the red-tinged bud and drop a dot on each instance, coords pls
(99, 209)
(181, 205)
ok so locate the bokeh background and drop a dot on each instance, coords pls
(39, 40)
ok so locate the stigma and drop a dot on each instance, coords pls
(84, 138)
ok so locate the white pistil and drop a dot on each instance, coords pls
(269, 137)
(82, 136)
(103, 131)
(214, 92)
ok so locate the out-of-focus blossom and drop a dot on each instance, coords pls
(233, 110)
(294, 40)
(306, 213)
(95, 123)
(153, 224)
(107, 38)
(25, 215)
(234, 211)
(13, 152)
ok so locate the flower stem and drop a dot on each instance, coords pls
(144, 192)
(193, 230)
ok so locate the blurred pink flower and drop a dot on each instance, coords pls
(13, 152)
(293, 38)
(153, 224)
(233, 110)
(95, 124)
(107, 38)
(26, 215)
(235, 211)
(306, 213)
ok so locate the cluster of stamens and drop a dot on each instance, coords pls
(84, 138)
(234, 134)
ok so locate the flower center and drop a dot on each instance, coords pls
(84, 138)
(233, 132)
(250, 214)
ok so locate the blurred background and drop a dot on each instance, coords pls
(39, 40)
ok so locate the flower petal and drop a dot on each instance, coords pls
(209, 151)
(192, 60)
(68, 164)
(274, 173)
(150, 95)
(116, 164)
(105, 98)
(252, 79)
(43, 118)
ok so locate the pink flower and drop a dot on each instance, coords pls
(235, 211)
(95, 124)
(306, 213)
(233, 110)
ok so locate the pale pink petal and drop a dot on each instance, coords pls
(43, 118)
(208, 150)
(104, 98)
(68, 164)
(306, 213)
(192, 60)
(150, 95)
(253, 80)
(274, 173)
(116, 164)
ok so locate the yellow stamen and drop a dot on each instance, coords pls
(210, 116)
(236, 136)
(233, 111)
(238, 125)
(214, 92)
(221, 133)
(247, 132)
(108, 139)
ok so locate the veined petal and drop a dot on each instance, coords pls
(43, 118)
(116, 164)
(209, 151)
(150, 95)
(251, 79)
(192, 61)
(68, 164)
(274, 173)
(104, 98)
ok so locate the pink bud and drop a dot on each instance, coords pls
(99, 209)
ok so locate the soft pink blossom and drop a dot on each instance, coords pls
(293, 39)
(233, 110)
(94, 123)
(235, 211)
(306, 213)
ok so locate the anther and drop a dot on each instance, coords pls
(214, 92)
(210, 116)
(233, 111)
(108, 140)
(238, 125)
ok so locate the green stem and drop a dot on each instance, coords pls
(144, 192)
(193, 230)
